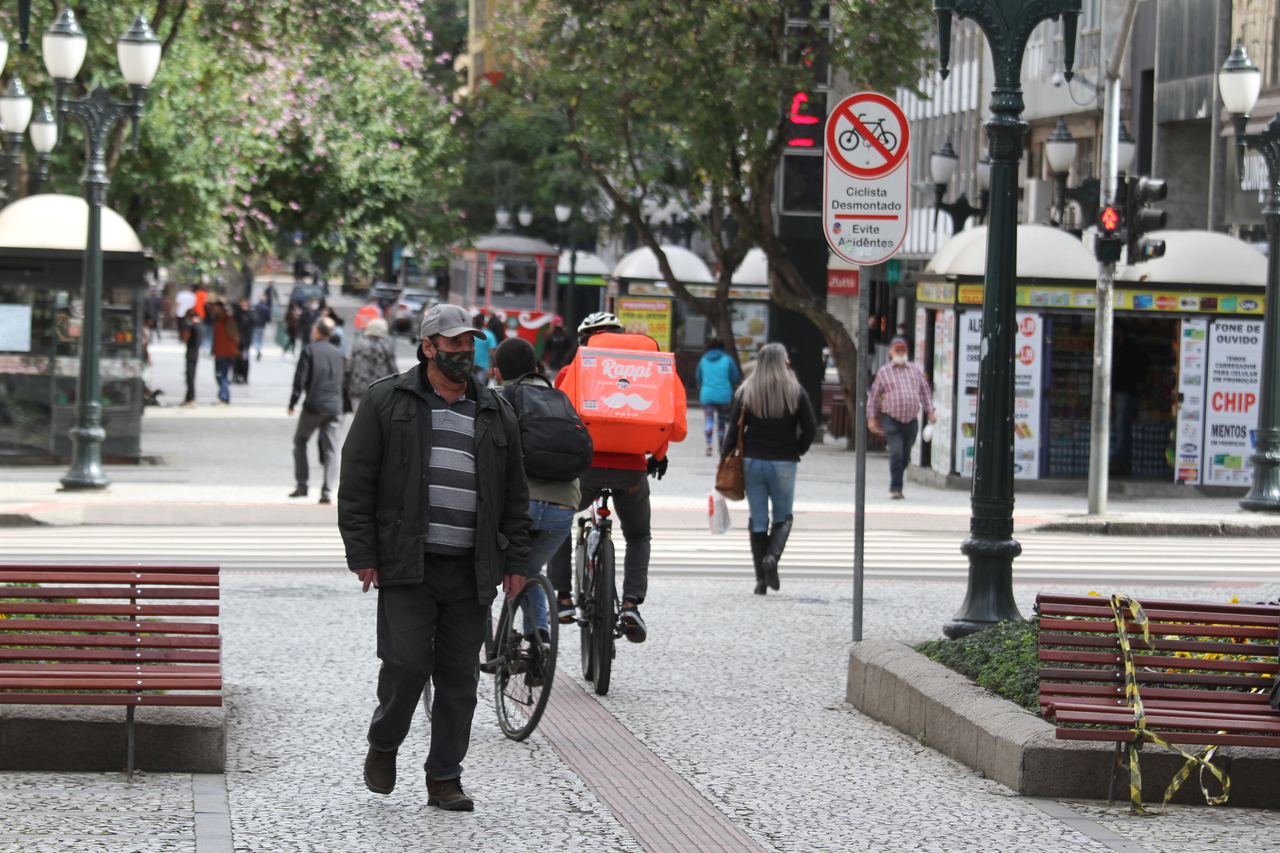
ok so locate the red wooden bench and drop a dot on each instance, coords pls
(1204, 678)
(129, 635)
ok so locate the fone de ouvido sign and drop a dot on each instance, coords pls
(866, 179)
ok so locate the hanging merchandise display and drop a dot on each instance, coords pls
(944, 359)
(1189, 438)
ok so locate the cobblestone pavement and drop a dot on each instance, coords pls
(741, 696)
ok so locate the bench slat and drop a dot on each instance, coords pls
(1116, 675)
(1160, 644)
(71, 640)
(176, 568)
(88, 682)
(181, 700)
(143, 578)
(25, 669)
(1165, 661)
(1048, 706)
(1177, 629)
(1199, 738)
(1173, 709)
(113, 626)
(1170, 693)
(106, 654)
(1047, 599)
(1102, 717)
(112, 609)
(130, 592)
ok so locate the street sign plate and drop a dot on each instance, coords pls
(866, 178)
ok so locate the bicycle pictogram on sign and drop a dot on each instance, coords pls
(867, 135)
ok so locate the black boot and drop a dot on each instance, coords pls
(777, 542)
(759, 545)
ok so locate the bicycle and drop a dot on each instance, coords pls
(851, 139)
(597, 594)
(523, 664)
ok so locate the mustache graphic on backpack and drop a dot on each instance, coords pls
(634, 401)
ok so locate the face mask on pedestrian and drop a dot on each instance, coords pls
(456, 366)
(899, 358)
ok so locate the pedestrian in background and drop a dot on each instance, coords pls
(244, 327)
(191, 331)
(497, 329)
(897, 395)
(184, 301)
(777, 428)
(226, 347)
(717, 374)
(434, 513)
(372, 357)
(290, 343)
(307, 317)
(261, 319)
(558, 348)
(486, 343)
(318, 376)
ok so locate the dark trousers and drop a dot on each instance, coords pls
(191, 380)
(308, 423)
(899, 435)
(631, 507)
(430, 630)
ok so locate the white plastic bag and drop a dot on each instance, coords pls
(718, 513)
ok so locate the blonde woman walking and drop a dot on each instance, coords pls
(777, 428)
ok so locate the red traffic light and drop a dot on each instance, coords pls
(1109, 219)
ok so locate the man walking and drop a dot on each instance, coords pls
(191, 331)
(319, 376)
(434, 512)
(893, 409)
(225, 334)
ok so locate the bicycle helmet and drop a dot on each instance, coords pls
(601, 321)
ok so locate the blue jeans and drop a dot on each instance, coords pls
(899, 436)
(551, 526)
(222, 370)
(256, 341)
(768, 480)
(714, 416)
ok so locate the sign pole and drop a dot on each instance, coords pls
(860, 475)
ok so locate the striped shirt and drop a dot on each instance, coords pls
(451, 498)
(899, 391)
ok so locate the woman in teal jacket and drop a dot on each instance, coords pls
(717, 374)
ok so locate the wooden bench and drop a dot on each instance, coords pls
(1204, 678)
(127, 635)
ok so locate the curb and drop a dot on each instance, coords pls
(1102, 527)
(891, 682)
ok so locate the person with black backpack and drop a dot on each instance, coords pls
(557, 448)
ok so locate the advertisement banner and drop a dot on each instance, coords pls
(1231, 393)
(922, 320)
(1028, 368)
(650, 317)
(1189, 447)
(944, 358)
(750, 324)
(969, 348)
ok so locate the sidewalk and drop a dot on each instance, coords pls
(713, 738)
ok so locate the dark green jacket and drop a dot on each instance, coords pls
(382, 499)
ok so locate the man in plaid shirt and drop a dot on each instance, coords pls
(893, 409)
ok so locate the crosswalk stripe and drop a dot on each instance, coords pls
(815, 554)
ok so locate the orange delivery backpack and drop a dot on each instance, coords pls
(627, 393)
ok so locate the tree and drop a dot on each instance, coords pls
(689, 99)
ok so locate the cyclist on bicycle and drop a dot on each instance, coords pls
(624, 475)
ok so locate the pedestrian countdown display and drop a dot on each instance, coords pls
(866, 178)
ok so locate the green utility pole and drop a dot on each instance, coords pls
(991, 547)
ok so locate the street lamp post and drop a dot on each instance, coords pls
(942, 166)
(1240, 81)
(563, 214)
(138, 52)
(15, 115)
(44, 136)
(991, 547)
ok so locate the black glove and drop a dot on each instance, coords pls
(656, 467)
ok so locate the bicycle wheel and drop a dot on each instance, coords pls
(848, 140)
(582, 583)
(526, 665)
(604, 616)
(889, 140)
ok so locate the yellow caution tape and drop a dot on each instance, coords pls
(1140, 732)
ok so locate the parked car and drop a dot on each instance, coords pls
(304, 293)
(406, 316)
(385, 293)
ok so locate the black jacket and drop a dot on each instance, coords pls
(319, 374)
(383, 502)
(783, 439)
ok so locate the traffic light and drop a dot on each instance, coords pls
(807, 120)
(1106, 246)
(1139, 219)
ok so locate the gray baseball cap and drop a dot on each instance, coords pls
(448, 320)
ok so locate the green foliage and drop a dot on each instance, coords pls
(1003, 659)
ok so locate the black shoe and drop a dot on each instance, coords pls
(448, 795)
(633, 627)
(324, 499)
(566, 608)
(300, 492)
(380, 771)
(759, 546)
(777, 542)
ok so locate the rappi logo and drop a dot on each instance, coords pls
(1233, 401)
(614, 370)
(1027, 355)
(1028, 326)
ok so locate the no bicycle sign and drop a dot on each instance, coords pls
(866, 178)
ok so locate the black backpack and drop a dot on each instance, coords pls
(555, 442)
